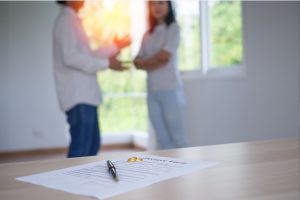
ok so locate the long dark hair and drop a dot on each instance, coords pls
(168, 20)
(63, 3)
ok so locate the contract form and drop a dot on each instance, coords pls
(93, 179)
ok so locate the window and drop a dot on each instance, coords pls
(225, 29)
(188, 17)
(211, 34)
(211, 38)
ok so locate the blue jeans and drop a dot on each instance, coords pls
(84, 130)
(166, 110)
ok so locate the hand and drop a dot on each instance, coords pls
(138, 62)
(122, 42)
(116, 65)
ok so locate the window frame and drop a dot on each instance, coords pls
(206, 69)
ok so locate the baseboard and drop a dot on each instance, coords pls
(124, 141)
(64, 150)
(34, 152)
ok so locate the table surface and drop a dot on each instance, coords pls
(247, 171)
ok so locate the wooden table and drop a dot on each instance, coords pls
(265, 170)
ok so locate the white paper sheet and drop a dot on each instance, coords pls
(94, 180)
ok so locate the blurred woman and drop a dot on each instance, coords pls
(158, 57)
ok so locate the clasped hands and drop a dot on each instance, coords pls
(156, 61)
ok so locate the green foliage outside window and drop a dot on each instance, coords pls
(226, 33)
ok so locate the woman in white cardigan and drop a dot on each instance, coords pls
(158, 57)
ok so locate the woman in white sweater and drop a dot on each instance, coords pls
(158, 57)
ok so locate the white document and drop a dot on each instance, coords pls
(94, 180)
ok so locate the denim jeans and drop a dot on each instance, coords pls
(166, 110)
(84, 130)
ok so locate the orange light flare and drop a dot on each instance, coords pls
(103, 20)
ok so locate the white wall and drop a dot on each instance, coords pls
(30, 117)
(264, 103)
(261, 105)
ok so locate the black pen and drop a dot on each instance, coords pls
(112, 170)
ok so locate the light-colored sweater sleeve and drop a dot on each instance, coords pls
(75, 52)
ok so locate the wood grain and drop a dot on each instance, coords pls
(264, 170)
